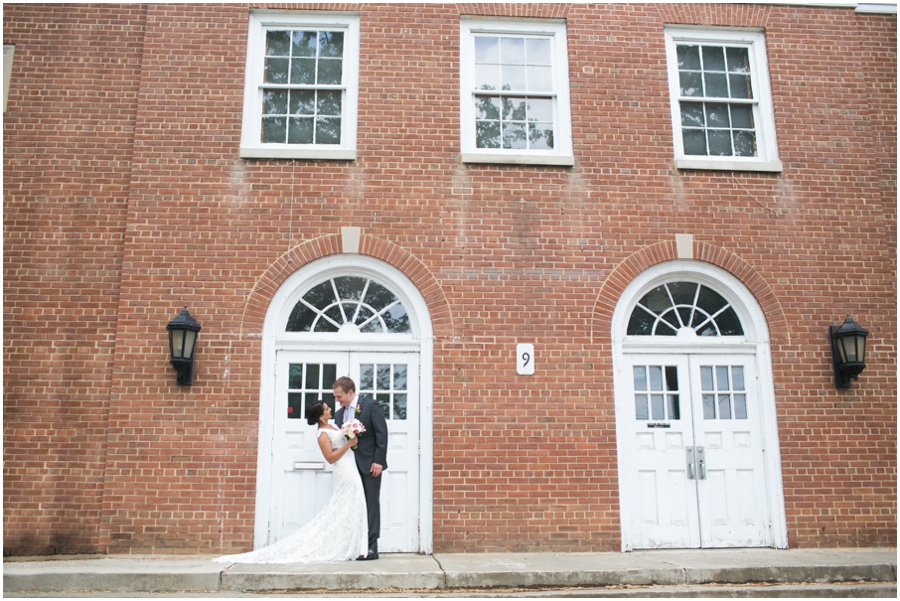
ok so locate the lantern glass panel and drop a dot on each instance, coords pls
(177, 343)
(189, 338)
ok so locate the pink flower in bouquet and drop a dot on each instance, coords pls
(353, 429)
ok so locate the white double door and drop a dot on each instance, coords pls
(301, 480)
(694, 466)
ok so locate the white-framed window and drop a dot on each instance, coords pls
(301, 86)
(514, 92)
(722, 112)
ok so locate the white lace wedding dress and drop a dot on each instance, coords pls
(339, 532)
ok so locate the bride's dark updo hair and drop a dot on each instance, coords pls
(314, 412)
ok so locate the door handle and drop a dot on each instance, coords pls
(689, 456)
(696, 463)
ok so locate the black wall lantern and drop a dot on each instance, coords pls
(182, 341)
(848, 348)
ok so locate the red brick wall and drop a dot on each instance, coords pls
(130, 463)
(68, 138)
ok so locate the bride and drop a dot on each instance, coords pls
(340, 531)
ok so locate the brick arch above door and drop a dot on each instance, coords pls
(268, 283)
(622, 275)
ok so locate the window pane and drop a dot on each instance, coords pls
(331, 44)
(671, 377)
(688, 57)
(328, 103)
(694, 141)
(719, 142)
(738, 60)
(329, 375)
(350, 288)
(717, 114)
(367, 377)
(741, 116)
(512, 51)
(656, 381)
(514, 109)
(641, 323)
(312, 376)
(278, 43)
(691, 83)
(537, 51)
(540, 136)
(657, 406)
(487, 77)
(706, 379)
(683, 293)
(514, 135)
(328, 130)
(301, 319)
(384, 400)
(713, 58)
(740, 406)
(740, 86)
(275, 102)
(303, 102)
(716, 85)
(487, 134)
(540, 109)
(724, 406)
(540, 79)
(641, 410)
(399, 406)
(295, 375)
(709, 406)
(295, 409)
(320, 296)
(276, 70)
(487, 50)
(273, 130)
(303, 71)
(304, 43)
(692, 114)
(396, 320)
(721, 377)
(399, 377)
(487, 108)
(383, 377)
(330, 72)
(640, 377)
(672, 406)
(737, 378)
(744, 144)
(378, 297)
(729, 324)
(512, 77)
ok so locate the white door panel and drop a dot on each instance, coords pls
(301, 478)
(671, 405)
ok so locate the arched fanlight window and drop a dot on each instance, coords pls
(682, 308)
(349, 304)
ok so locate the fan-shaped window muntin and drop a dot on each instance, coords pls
(679, 308)
(349, 304)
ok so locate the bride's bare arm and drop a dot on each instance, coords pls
(332, 455)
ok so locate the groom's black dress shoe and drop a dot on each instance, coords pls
(370, 556)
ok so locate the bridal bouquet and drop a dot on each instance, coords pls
(352, 429)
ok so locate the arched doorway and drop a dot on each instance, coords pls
(345, 315)
(697, 441)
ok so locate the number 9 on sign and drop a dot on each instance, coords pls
(525, 359)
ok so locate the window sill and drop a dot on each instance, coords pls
(518, 159)
(729, 165)
(322, 154)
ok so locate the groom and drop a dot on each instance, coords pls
(371, 452)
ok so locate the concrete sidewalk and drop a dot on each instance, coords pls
(446, 572)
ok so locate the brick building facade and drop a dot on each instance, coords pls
(140, 176)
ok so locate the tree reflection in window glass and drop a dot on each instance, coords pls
(349, 301)
(676, 307)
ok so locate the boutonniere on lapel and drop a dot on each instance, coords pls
(358, 409)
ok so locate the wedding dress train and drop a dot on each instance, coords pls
(339, 532)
